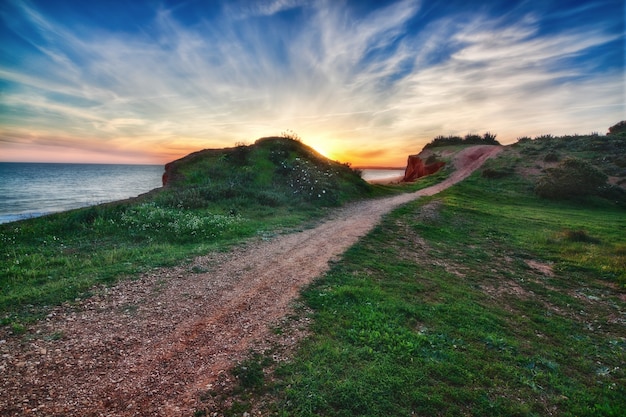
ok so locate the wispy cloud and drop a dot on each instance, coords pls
(245, 9)
(351, 81)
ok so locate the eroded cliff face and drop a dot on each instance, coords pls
(416, 168)
(166, 174)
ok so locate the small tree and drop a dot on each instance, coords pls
(571, 178)
(490, 139)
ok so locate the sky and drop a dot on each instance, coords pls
(365, 82)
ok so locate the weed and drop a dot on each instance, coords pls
(578, 236)
(199, 269)
(18, 329)
(496, 173)
(55, 336)
(551, 157)
(250, 372)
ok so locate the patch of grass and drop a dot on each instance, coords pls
(441, 315)
(578, 236)
(250, 372)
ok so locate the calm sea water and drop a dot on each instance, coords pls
(381, 174)
(34, 189)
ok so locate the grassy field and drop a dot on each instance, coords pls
(484, 300)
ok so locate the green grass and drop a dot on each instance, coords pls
(438, 312)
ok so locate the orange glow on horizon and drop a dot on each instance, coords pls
(163, 155)
(350, 148)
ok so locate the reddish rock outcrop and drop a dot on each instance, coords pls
(415, 168)
(166, 175)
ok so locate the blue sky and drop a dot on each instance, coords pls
(367, 82)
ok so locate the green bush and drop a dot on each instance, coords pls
(470, 139)
(571, 178)
(551, 157)
(492, 173)
(618, 128)
(578, 235)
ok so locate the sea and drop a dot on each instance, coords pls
(35, 189)
(380, 174)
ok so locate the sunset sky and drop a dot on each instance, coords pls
(366, 82)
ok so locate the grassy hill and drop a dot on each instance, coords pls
(274, 172)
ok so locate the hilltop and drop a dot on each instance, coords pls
(274, 171)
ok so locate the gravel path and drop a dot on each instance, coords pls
(151, 345)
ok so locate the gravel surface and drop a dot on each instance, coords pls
(150, 346)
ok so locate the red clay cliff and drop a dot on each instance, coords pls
(415, 168)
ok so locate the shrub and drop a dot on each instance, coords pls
(290, 134)
(497, 173)
(579, 236)
(613, 193)
(434, 158)
(571, 178)
(240, 154)
(551, 157)
(490, 139)
(618, 128)
(469, 139)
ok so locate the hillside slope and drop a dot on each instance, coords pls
(274, 171)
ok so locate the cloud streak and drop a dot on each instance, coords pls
(381, 80)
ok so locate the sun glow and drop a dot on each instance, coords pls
(331, 150)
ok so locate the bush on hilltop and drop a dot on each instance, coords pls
(618, 128)
(469, 139)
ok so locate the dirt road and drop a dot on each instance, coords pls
(149, 346)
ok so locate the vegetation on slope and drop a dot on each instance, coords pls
(469, 139)
(274, 172)
(574, 166)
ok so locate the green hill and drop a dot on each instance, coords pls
(273, 172)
